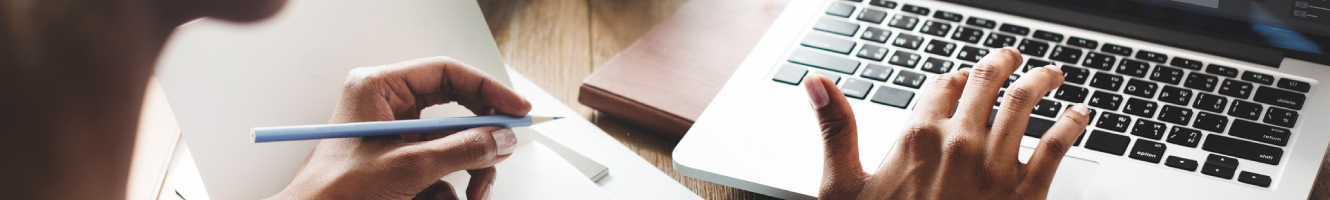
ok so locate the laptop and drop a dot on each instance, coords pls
(223, 78)
(1191, 99)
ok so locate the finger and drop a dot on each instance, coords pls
(474, 148)
(482, 180)
(440, 79)
(841, 169)
(440, 190)
(1044, 162)
(1014, 114)
(940, 97)
(982, 86)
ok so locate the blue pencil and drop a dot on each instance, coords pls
(362, 129)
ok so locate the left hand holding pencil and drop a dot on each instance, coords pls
(409, 166)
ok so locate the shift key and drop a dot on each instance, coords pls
(1243, 149)
(824, 61)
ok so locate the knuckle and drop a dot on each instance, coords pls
(1021, 95)
(1056, 148)
(476, 149)
(835, 125)
(956, 148)
(920, 137)
(949, 82)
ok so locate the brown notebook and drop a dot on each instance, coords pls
(665, 79)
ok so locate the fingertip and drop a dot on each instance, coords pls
(817, 91)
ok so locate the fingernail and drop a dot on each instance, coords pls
(817, 93)
(1055, 68)
(506, 140)
(1080, 108)
(1013, 49)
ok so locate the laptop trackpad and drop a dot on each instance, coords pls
(1072, 179)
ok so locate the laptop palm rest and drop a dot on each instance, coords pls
(1072, 179)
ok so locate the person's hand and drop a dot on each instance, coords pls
(946, 156)
(410, 166)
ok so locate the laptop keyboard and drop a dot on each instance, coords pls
(883, 52)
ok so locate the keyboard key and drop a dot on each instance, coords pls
(1074, 74)
(1113, 121)
(1281, 98)
(835, 78)
(996, 40)
(872, 16)
(1106, 142)
(1034, 48)
(856, 88)
(1184, 136)
(1210, 102)
(1032, 63)
(875, 34)
(831, 25)
(1141, 88)
(1106, 81)
(935, 28)
(1083, 43)
(949, 16)
(821, 60)
(903, 22)
(1260, 132)
(829, 43)
(910, 79)
(904, 59)
(937, 66)
(1014, 29)
(1047, 108)
(1201, 82)
(1175, 95)
(1167, 74)
(1147, 151)
(1243, 149)
(940, 47)
(790, 73)
(1148, 129)
(1219, 166)
(1071, 93)
(892, 97)
(967, 34)
(1116, 49)
(840, 9)
(908, 41)
(915, 9)
(1140, 107)
(1155, 57)
(1099, 61)
(1222, 70)
(963, 66)
(872, 52)
(1050, 36)
(1066, 54)
(1010, 79)
(972, 54)
(1258, 78)
(981, 22)
(1254, 179)
(876, 72)
(1210, 122)
(1181, 62)
(883, 3)
(1235, 88)
(1133, 68)
(1245, 110)
(1036, 127)
(1281, 117)
(1176, 115)
(1181, 163)
(996, 102)
(1105, 100)
(1294, 85)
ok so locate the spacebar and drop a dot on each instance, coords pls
(825, 61)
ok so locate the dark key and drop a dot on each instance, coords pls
(1260, 132)
(1133, 68)
(908, 41)
(1113, 121)
(1294, 85)
(872, 52)
(1184, 136)
(1099, 61)
(1258, 77)
(915, 9)
(1245, 110)
(1036, 127)
(1034, 48)
(1116, 49)
(1219, 166)
(883, 3)
(937, 66)
(1071, 93)
(996, 40)
(1050, 36)
(1201, 82)
(963, 66)
(1105, 100)
(876, 72)
(1254, 179)
(872, 16)
(835, 78)
(936, 28)
(840, 9)
(949, 16)
(875, 34)
(1157, 57)
(1175, 95)
(1140, 107)
(972, 54)
(1210, 122)
(892, 97)
(967, 34)
(903, 22)
(1083, 43)
(1167, 74)
(940, 47)
(1075, 75)
(1066, 54)
(1047, 108)
(790, 73)
(1105, 81)
(996, 102)
(904, 59)
(909, 79)
(1032, 63)
(1222, 70)
(1210, 102)
(1010, 79)
(1180, 62)
(1235, 88)
(1141, 88)
(1181, 163)
(1147, 151)
(1174, 114)
(831, 25)
(1148, 129)
(1281, 98)
(1281, 117)
(1106, 142)
(856, 88)
(821, 60)
(1243, 149)
(829, 43)
(981, 22)
(1014, 29)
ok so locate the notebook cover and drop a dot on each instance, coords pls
(665, 79)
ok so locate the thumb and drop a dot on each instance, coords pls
(440, 190)
(841, 170)
(470, 149)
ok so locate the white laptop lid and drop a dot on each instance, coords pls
(223, 78)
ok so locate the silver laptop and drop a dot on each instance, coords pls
(1191, 99)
